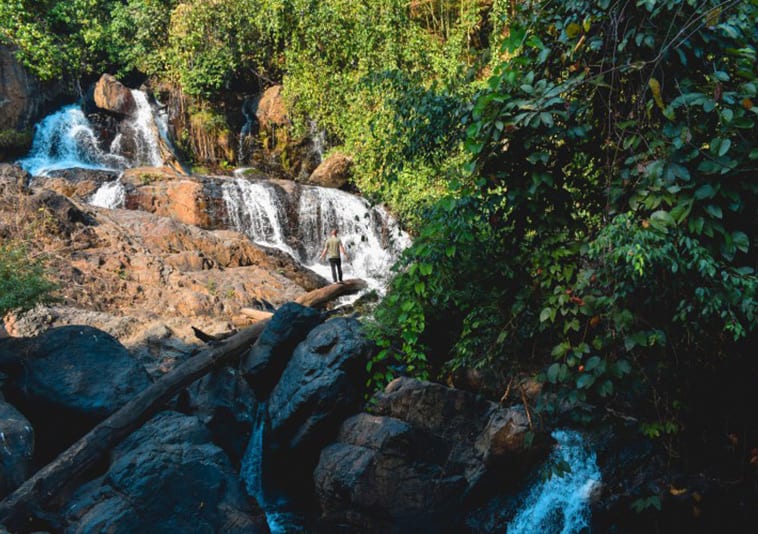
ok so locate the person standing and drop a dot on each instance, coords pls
(332, 249)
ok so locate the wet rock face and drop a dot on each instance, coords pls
(166, 477)
(16, 448)
(426, 454)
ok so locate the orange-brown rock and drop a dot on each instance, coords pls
(127, 271)
(111, 95)
(164, 192)
(334, 171)
(23, 99)
(272, 109)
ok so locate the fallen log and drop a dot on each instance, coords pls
(314, 299)
(47, 483)
(319, 297)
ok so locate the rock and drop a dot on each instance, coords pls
(264, 363)
(24, 98)
(322, 384)
(62, 216)
(272, 109)
(225, 404)
(166, 477)
(78, 184)
(376, 479)
(72, 377)
(334, 172)
(16, 448)
(111, 95)
(13, 179)
(426, 455)
(165, 193)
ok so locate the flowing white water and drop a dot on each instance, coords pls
(371, 238)
(144, 131)
(66, 139)
(561, 504)
(110, 195)
(256, 209)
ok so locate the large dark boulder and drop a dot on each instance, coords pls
(322, 384)
(16, 447)
(265, 362)
(168, 477)
(226, 405)
(69, 379)
(428, 453)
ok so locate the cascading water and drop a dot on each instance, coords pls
(142, 129)
(110, 195)
(319, 140)
(561, 504)
(372, 239)
(66, 139)
(256, 210)
(251, 472)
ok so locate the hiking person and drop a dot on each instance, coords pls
(332, 249)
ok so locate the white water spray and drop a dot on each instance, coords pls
(256, 210)
(561, 504)
(66, 139)
(144, 132)
(110, 195)
(371, 238)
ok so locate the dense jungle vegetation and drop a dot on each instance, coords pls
(581, 177)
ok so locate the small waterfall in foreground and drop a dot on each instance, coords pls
(66, 139)
(251, 472)
(372, 239)
(109, 195)
(561, 504)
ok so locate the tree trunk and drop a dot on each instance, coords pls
(41, 488)
(314, 299)
(319, 297)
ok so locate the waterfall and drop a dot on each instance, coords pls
(372, 239)
(66, 139)
(244, 148)
(319, 140)
(109, 195)
(144, 132)
(255, 209)
(561, 504)
(279, 520)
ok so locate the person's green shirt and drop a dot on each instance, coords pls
(333, 245)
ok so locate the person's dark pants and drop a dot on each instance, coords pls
(336, 264)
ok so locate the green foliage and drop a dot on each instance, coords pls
(22, 279)
(605, 231)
